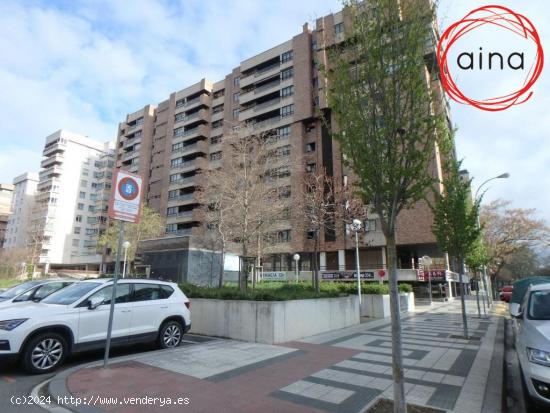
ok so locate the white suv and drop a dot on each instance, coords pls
(75, 319)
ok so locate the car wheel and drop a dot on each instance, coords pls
(170, 334)
(44, 353)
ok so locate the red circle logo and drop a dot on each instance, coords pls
(504, 19)
(381, 273)
(128, 188)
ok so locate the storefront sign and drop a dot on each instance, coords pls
(274, 276)
(434, 275)
(347, 275)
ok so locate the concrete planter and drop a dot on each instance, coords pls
(378, 305)
(271, 321)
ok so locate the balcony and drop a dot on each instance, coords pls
(51, 160)
(263, 90)
(133, 127)
(185, 216)
(47, 183)
(181, 232)
(55, 148)
(49, 172)
(201, 130)
(129, 155)
(203, 99)
(183, 182)
(272, 122)
(131, 141)
(181, 199)
(191, 148)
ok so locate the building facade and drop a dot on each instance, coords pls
(70, 208)
(277, 92)
(6, 194)
(25, 187)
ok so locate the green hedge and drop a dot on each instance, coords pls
(282, 291)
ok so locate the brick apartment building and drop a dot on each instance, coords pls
(280, 91)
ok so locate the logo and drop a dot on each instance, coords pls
(128, 188)
(505, 76)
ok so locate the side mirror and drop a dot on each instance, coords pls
(94, 302)
(515, 310)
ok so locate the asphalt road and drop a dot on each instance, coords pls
(15, 382)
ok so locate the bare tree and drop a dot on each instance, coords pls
(508, 232)
(241, 200)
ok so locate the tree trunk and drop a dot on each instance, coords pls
(462, 298)
(399, 404)
(317, 286)
(222, 265)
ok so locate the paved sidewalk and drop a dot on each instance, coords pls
(342, 371)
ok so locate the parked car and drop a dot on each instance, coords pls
(506, 293)
(32, 291)
(532, 328)
(75, 319)
(520, 288)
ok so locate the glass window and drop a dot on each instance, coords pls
(286, 56)
(310, 147)
(287, 110)
(166, 291)
(236, 113)
(215, 156)
(122, 294)
(79, 218)
(236, 81)
(287, 73)
(71, 293)
(539, 305)
(82, 195)
(18, 289)
(146, 292)
(339, 28)
(76, 230)
(215, 139)
(284, 131)
(287, 91)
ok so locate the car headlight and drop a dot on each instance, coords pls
(538, 356)
(11, 324)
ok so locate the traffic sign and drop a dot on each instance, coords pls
(125, 203)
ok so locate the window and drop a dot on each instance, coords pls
(287, 91)
(146, 292)
(91, 220)
(179, 131)
(236, 81)
(174, 178)
(236, 113)
(215, 139)
(179, 117)
(370, 225)
(316, 101)
(287, 56)
(314, 45)
(284, 192)
(283, 236)
(217, 124)
(287, 110)
(177, 146)
(217, 109)
(91, 231)
(172, 194)
(139, 121)
(82, 195)
(76, 230)
(310, 167)
(80, 207)
(95, 185)
(180, 102)
(236, 97)
(171, 228)
(76, 242)
(215, 156)
(91, 208)
(284, 131)
(172, 211)
(122, 294)
(98, 164)
(219, 93)
(78, 218)
(176, 162)
(339, 28)
(287, 73)
(166, 291)
(93, 197)
(85, 172)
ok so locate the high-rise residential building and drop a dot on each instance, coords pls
(278, 92)
(69, 211)
(22, 204)
(6, 193)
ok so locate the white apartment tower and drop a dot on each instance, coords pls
(25, 187)
(69, 203)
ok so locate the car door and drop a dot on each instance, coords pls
(93, 323)
(149, 309)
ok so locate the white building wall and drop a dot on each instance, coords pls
(21, 206)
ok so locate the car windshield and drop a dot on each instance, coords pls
(539, 305)
(71, 293)
(18, 289)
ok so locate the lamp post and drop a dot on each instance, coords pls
(426, 262)
(125, 245)
(485, 281)
(356, 227)
(296, 258)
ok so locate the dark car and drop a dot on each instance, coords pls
(506, 293)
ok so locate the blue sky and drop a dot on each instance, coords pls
(82, 65)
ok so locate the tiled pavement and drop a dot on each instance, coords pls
(342, 371)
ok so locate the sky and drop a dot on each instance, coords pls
(82, 65)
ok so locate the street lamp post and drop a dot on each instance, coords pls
(296, 258)
(426, 262)
(485, 282)
(356, 227)
(125, 245)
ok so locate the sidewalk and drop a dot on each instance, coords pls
(342, 371)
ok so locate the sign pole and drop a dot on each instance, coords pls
(113, 295)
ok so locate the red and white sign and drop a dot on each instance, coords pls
(125, 203)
